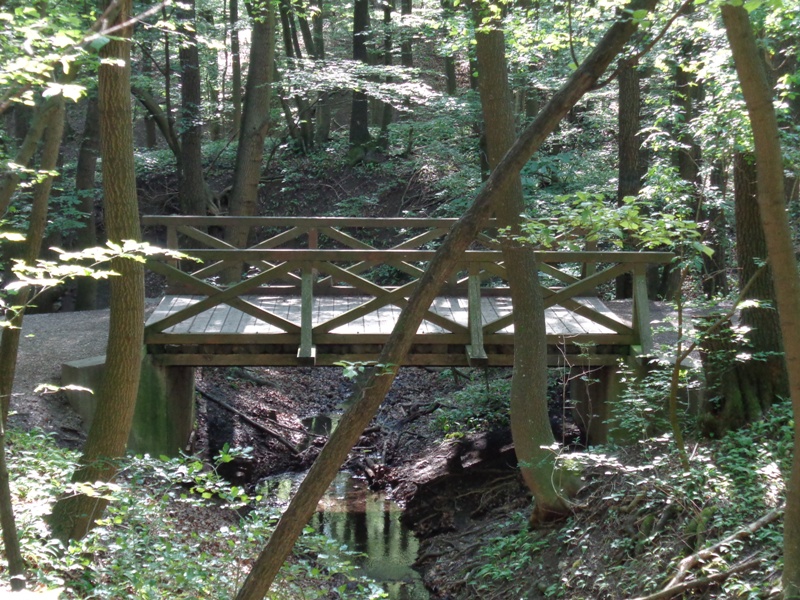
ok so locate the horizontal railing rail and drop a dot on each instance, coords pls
(353, 267)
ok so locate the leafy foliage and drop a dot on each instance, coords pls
(171, 531)
(480, 406)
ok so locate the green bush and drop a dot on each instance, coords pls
(171, 531)
(480, 406)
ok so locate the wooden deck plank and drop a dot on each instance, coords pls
(162, 310)
(232, 321)
(227, 325)
(225, 319)
(180, 303)
(501, 307)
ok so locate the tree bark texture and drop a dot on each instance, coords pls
(742, 390)
(629, 148)
(255, 123)
(780, 250)
(236, 68)
(629, 119)
(85, 177)
(106, 442)
(374, 389)
(191, 184)
(530, 424)
(359, 114)
(406, 47)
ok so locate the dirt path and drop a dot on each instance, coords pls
(48, 341)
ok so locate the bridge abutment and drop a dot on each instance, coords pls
(594, 391)
(164, 418)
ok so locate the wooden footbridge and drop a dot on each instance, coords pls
(317, 291)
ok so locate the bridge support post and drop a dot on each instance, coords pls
(594, 391)
(164, 418)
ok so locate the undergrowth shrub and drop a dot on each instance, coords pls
(643, 513)
(480, 406)
(172, 530)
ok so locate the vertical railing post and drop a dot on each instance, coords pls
(641, 310)
(172, 243)
(476, 354)
(307, 353)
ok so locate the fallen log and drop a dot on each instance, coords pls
(260, 426)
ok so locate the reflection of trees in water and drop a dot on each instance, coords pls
(368, 523)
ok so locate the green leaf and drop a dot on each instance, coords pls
(98, 42)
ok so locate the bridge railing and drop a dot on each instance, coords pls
(313, 257)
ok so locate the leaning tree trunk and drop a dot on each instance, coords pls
(530, 424)
(374, 390)
(780, 250)
(107, 440)
(37, 223)
(9, 345)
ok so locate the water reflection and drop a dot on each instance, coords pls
(368, 523)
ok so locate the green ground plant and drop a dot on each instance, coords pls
(647, 513)
(172, 531)
(480, 406)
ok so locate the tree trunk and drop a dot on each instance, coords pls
(373, 391)
(629, 148)
(16, 564)
(85, 175)
(236, 69)
(359, 115)
(191, 183)
(530, 424)
(37, 223)
(450, 60)
(780, 250)
(150, 138)
(767, 370)
(255, 124)
(406, 49)
(11, 178)
(160, 117)
(322, 130)
(73, 516)
(387, 112)
(9, 343)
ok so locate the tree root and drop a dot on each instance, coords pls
(675, 590)
(676, 584)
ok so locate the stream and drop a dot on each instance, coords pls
(366, 522)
